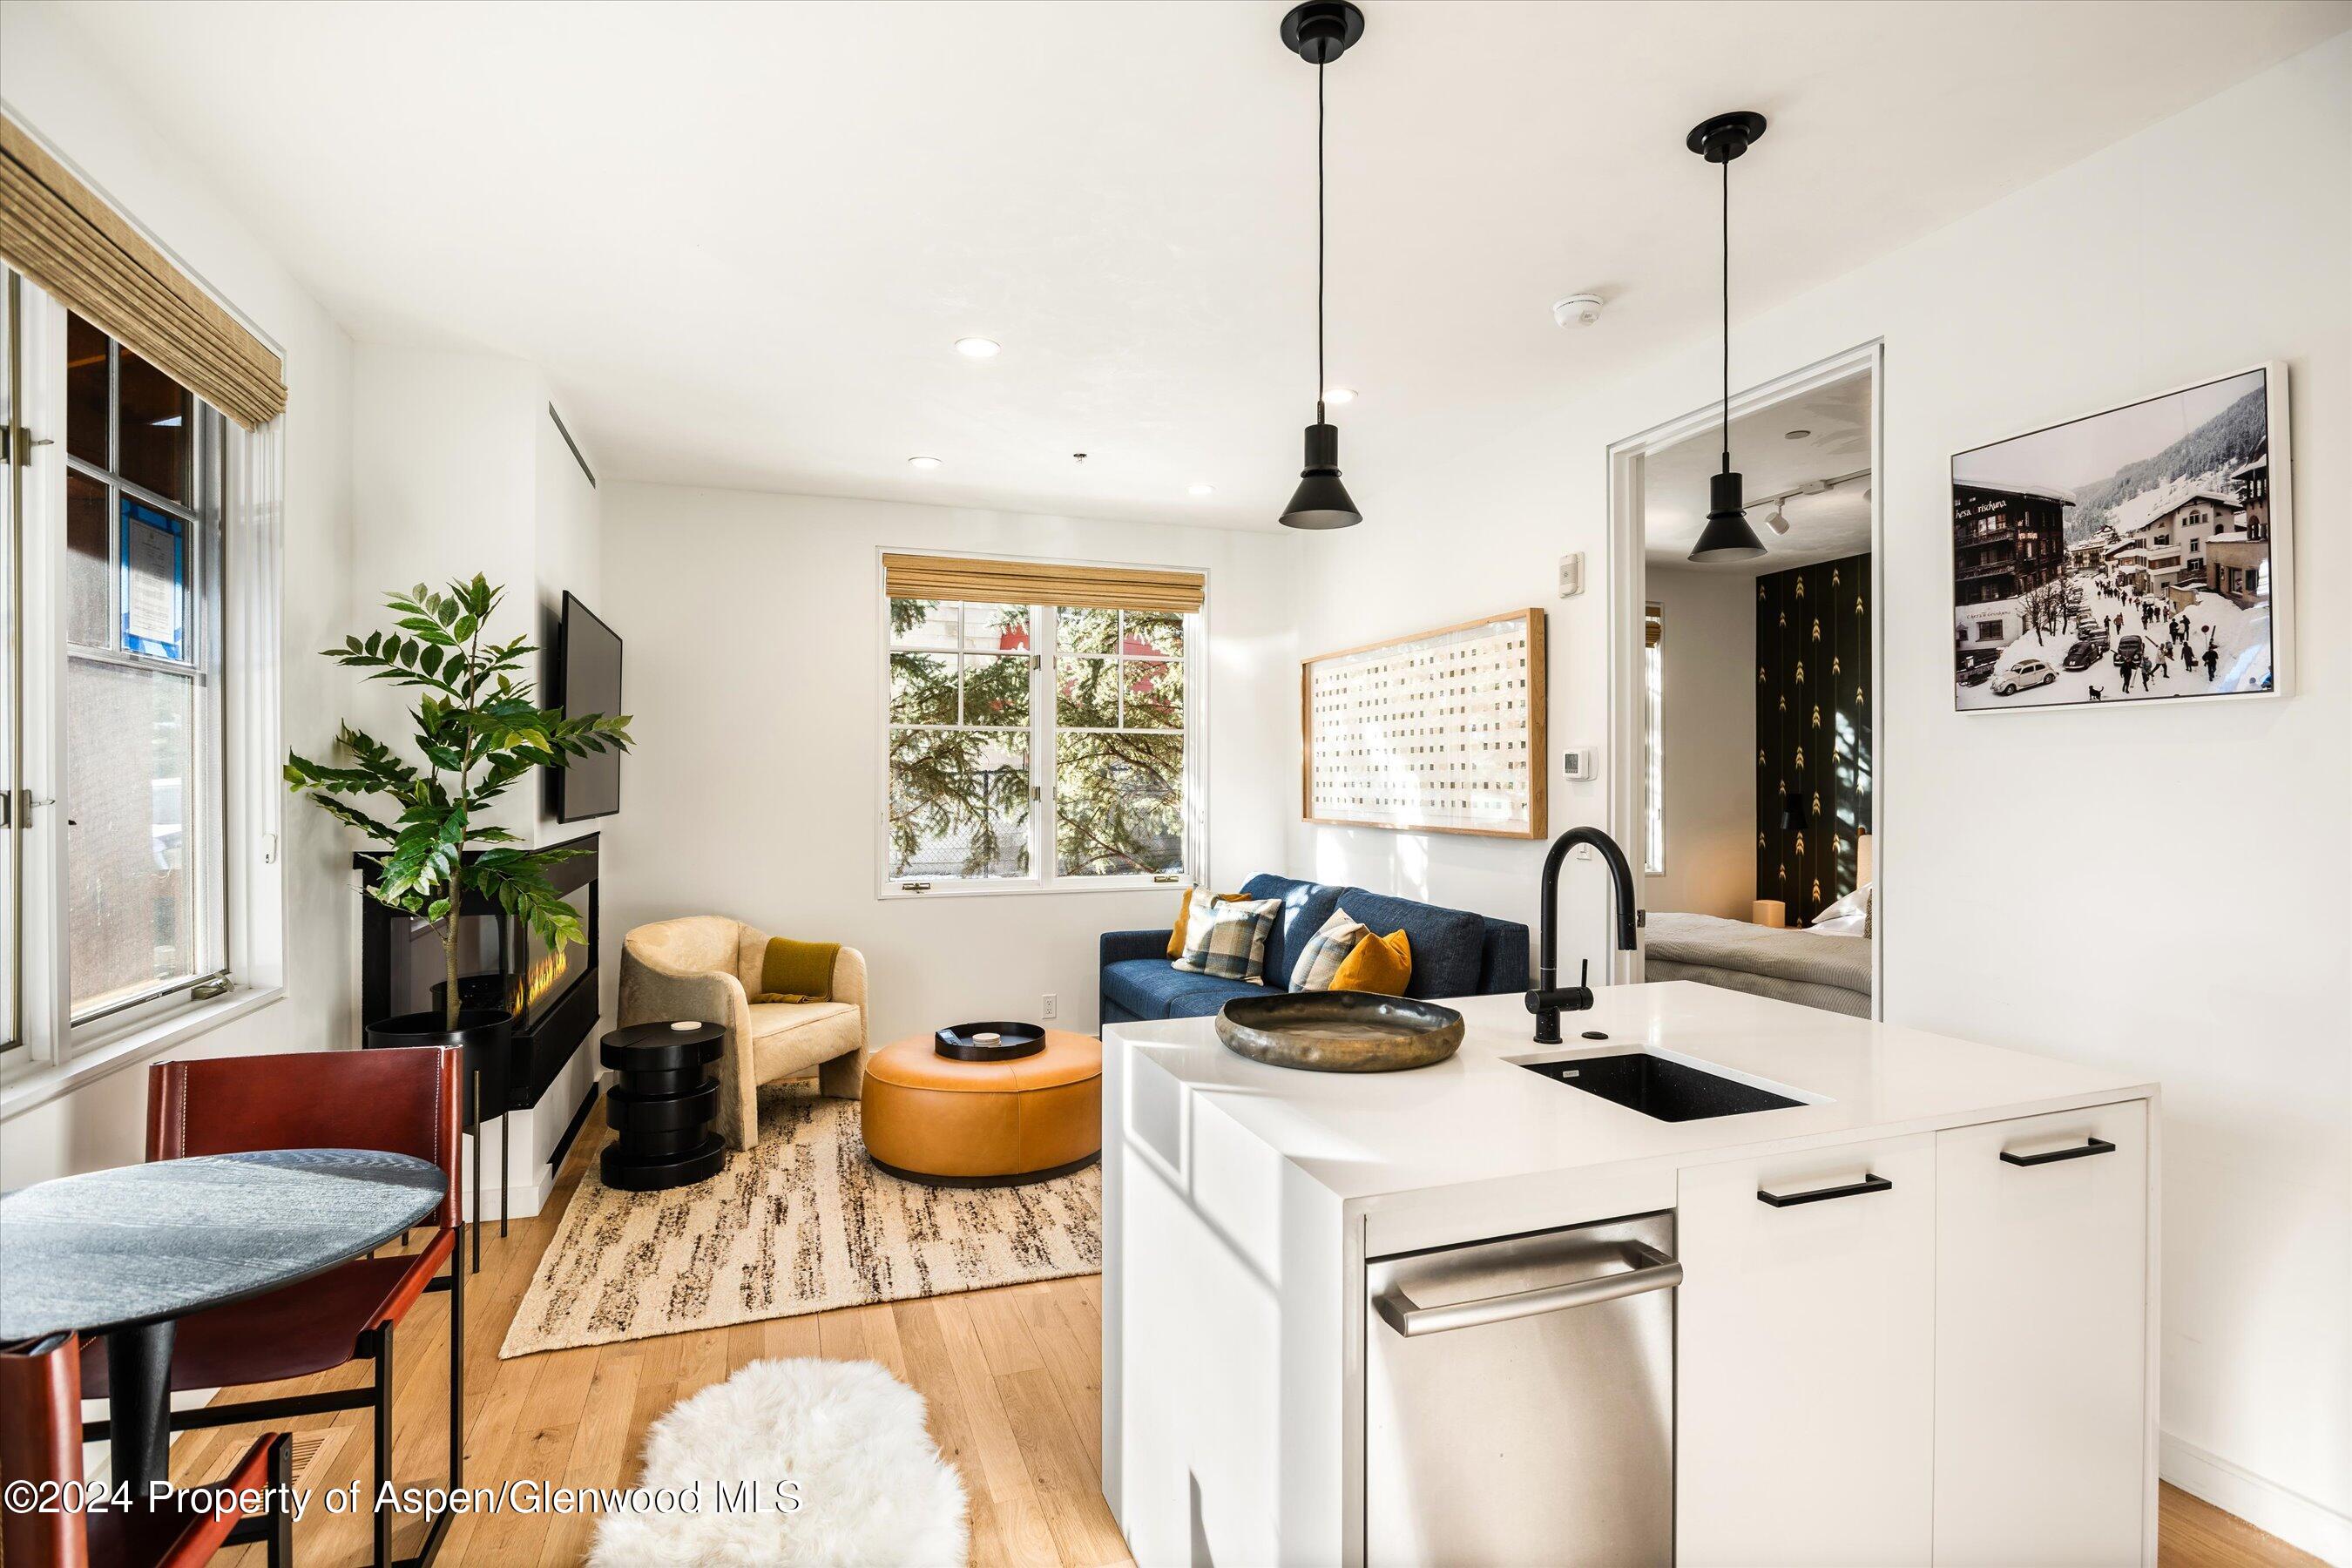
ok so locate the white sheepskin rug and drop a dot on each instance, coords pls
(838, 1466)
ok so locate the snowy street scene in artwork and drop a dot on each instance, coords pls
(2120, 558)
(2171, 658)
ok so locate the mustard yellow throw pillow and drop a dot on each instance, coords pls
(1380, 963)
(796, 971)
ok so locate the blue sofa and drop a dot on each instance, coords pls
(1455, 952)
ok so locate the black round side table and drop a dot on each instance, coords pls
(662, 1107)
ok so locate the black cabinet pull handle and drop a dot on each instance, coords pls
(2094, 1146)
(1784, 1200)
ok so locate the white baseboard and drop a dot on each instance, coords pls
(525, 1196)
(2294, 1519)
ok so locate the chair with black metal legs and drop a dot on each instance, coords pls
(40, 1407)
(398, 1102)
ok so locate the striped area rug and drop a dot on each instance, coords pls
(801, 1223)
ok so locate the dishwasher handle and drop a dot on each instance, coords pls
(1655, 1271)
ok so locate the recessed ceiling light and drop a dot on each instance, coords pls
(1796, 434)
(1204, 490)
(1339, 394)
(922, 462)
(977, 348)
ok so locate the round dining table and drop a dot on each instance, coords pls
(126, 1252)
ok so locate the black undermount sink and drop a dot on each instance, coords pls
(1661, 1088)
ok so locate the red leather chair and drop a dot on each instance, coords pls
(395, 1102)
(40, 1442)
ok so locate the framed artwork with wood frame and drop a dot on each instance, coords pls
(1439, 732)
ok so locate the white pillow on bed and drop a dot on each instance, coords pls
(1850, 916)
(1854, 904)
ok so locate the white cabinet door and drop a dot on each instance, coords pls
(2040, 1339)
(1805, 1381)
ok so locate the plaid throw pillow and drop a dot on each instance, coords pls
(1328, 949)
(1227, 939)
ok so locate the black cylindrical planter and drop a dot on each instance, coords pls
(487, 1037)
(660, 1111)
(484, 1034)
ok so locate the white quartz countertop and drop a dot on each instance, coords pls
(1480, 1117)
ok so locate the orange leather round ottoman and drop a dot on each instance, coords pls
(984, 1124)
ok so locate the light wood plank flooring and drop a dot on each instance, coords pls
(1012, 1376)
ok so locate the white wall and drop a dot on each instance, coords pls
(2222, 973)
(569, 553)
(1707, 647)
(445, 471)
(72, 100)
(753, 672)
(458, 470)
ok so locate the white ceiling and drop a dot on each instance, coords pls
(741, 239)
(1827, 526)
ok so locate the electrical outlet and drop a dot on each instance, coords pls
(1052, 1006)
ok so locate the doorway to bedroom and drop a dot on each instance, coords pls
(1747, 787)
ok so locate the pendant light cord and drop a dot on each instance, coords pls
(1319, 243)
(1727, 315)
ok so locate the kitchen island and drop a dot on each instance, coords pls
(1906, 1316)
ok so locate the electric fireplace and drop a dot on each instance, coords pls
(501, 964)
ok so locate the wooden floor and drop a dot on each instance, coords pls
(1012, 1376)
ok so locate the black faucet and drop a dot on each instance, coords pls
(1550, 999)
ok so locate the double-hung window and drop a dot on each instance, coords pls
(141, 696)
(1042, 737)
(140, 499)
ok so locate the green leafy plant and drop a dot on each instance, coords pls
(479, 729)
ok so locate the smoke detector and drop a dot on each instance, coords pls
(1577, 310)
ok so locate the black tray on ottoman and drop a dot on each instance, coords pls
(957, 1042)
(662, 1107)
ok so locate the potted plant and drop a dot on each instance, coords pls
(479, 729)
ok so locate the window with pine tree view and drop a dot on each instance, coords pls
(1036, 743)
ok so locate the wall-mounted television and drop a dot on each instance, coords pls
(588, 675)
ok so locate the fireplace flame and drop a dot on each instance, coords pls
(542, 976)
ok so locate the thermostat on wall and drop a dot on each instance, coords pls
(1583, 763)
(1571, 575)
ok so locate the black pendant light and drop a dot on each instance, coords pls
(1320, 32)
(1727, 536)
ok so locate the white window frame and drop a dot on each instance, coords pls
(1044, 628)
(51, 1054)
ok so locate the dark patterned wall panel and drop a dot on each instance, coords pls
(1813, 692)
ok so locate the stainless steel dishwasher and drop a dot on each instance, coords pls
(1519, 1398)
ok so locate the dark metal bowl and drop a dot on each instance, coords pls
(1339, 1031)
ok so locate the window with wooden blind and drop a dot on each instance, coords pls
(71, 242)
(1038, 738)
(142, 494)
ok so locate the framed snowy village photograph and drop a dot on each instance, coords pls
(2133, 556)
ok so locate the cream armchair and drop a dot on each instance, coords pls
(707, 967)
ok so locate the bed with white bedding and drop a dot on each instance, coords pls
(1818, 968)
